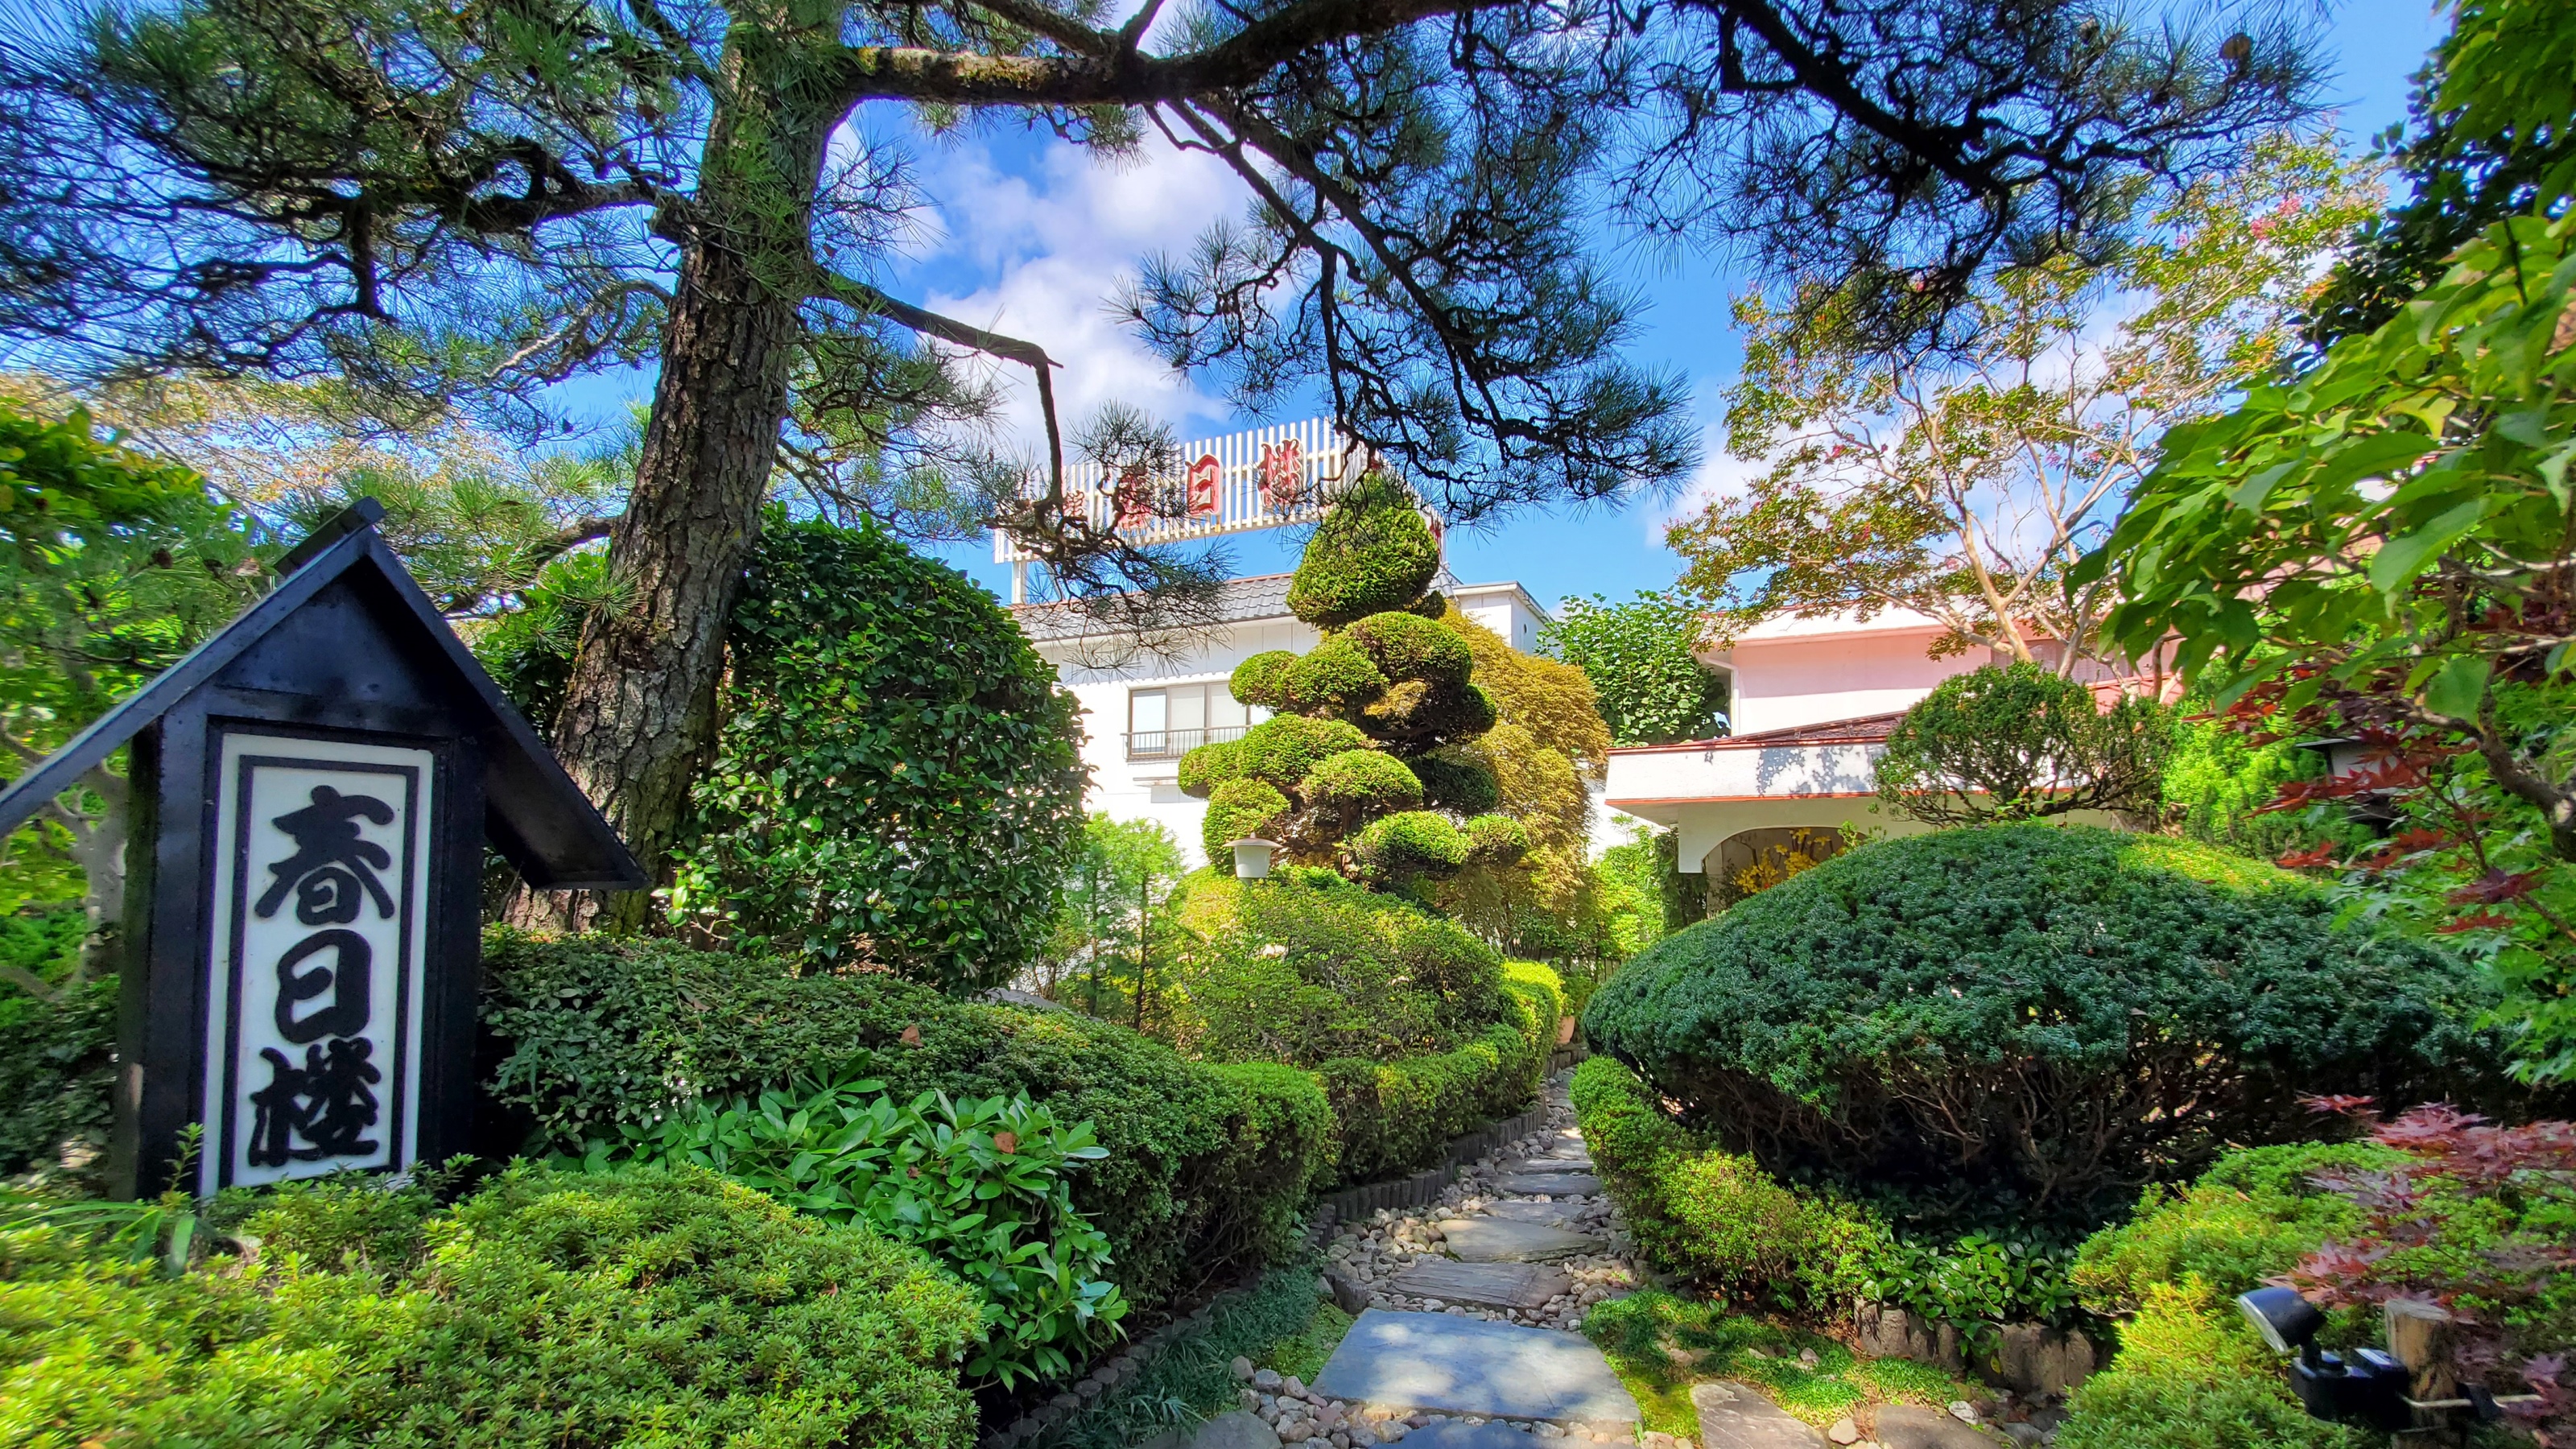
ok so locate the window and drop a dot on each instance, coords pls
(1169, 721)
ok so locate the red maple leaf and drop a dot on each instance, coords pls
(2495, 886)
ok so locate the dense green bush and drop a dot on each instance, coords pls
(1241, 810)
(2019, 741)
(57, 1053)
(897, 779)
(983, 1185)
(2191, 1375)
(659, 1308)
(1371, 554)
(2033, 1021)
(1206, 1164)
(1396, 1116)
(2250, 1218)
(1306, 967)
(1713, 1215)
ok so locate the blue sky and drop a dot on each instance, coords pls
(1031, 236)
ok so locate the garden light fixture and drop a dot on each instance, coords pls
(1252, 857)
(2365, 1386)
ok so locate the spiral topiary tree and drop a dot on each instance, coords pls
(1361, 767)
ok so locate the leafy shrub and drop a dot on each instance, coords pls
(2191, 1375)
(1189, 1372)
(667, 1308)
(2217, 783)
(1362, 784)
(1496, 840)
(2248, 1219)
(896, 780)
(1408, 646)
(1452, 782)
(1205, 1168)
(1974, 1283)
(1261, 678)
(1642, 657)
(2016, 742)
(1241, 810)
(57, 1054)
(1371, 554)
(1396, 1116)
(1335, 677)
(2031, 1020)
(1280, 750)
(983, 1185)
(1711, 1214)
(1408, 844)
(1304, 969)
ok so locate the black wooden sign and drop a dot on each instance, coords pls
(313, 789)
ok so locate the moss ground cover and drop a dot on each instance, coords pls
(1661, 1343)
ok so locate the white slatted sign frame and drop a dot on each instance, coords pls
(1326, 458)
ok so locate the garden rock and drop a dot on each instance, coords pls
(1895, 1333)
(1234, 1430)
(1498, 1240)
(2035, 1359)
(1498, 1285)
(1735, 1416)
(1571, 1162)
(1904, 1426)
(1492, 1434)
(1554, 1214)
(1348, 1296)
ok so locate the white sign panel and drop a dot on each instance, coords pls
(320, 922)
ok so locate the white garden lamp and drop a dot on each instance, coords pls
(1252, 857)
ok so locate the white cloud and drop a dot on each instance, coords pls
(1052, 243)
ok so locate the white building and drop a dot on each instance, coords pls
(1142, 709)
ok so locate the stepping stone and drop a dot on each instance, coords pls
(1553, 1184)
(1550, 1164)
(1734, 1416)
(1500, 1240)
(1451, 1434)
(1488, 1285)
(1554, 1214)
(1440, 1364)
(1235, 1429)
(1905, 1426)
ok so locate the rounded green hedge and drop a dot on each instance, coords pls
(1241, 810)
(2030, 1019)
(1408, 646)
(1371, 554)
(1452, 783)
(1335, 676)
(1262, 679)
(1363, 782)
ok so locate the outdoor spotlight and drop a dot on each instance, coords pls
(2365, 1386)
(1252, 857)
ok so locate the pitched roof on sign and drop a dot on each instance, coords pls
(535, 815)
(1238, 601)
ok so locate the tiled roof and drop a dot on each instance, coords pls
(1868, 729)
(1238, 601)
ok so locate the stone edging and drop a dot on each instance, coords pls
(1426, 1185)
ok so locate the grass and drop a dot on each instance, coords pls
(1191, 1376)
(1660, 1344)
(1301, 1355)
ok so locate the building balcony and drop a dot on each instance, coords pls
(1172, 744)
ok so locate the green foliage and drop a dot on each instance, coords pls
(1395, 1116)
(1642, 658)
(2019, 742)
(1187, 1374)
(896, 782)
(1660, 1344)
(1303, 1355)
(1975, 1283)
(1301, 971)
(1361, 785)
(1209, 765)
(528, 650)
(983, 1185)
(669, 1308)
(1400, 847)
(58, 1050)
(2093, 1010)
(1371, 554)
(1205, 1165)
(1408, 646)
(1455, 783)
(2217, 783)
(1335, 677)
(1713, 1215)
(1496, 840)
(1241, 809)
(2191, 1375)
(1111, 913)
(2247, 1220)
(64, 488)
(1263, 679)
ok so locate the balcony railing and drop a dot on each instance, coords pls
(1172, 744)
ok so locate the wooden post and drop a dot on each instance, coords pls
(2421, 1335)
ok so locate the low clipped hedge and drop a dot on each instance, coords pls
(672, 1309)
(1397, 1116)
(1711, 1215)
(2033, 1020)
(1207, 1164)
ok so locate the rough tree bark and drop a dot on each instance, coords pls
(639, 711)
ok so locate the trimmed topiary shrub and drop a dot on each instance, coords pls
(669, 1308)
(1262, 678)
(1416, 842)
(2250, 1218)
(1408, 646)
(2018, 742)
(2191, 1375)
(1496, 840)
(2034, 1021)
(1241, 810)
(1371, 554)
(1205, 1164)
(1362, 785)
(1398, 1116)
(1465, 786)
(1332, 678)
(1280, 751)
(1713, 1215)
(896, 783)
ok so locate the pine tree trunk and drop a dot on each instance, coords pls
(638, 715)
